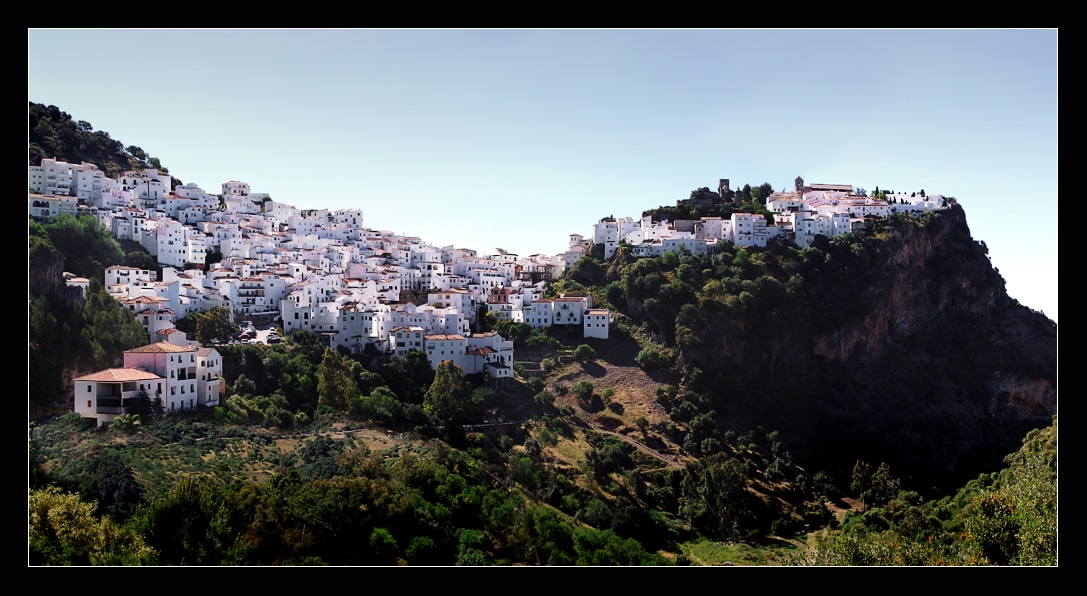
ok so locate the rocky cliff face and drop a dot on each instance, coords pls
(44, 271)
(901, 346)
(929, 273)
(933, 285)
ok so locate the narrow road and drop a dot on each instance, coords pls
(670, 461)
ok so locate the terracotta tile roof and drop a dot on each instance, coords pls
(160, 348)
(119, 375)
(147, 300)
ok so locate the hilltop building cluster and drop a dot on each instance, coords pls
(318, 270)
(358, 288)
(798, 216)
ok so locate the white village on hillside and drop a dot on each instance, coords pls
(321, 270)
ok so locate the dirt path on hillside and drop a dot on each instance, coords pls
(635, 396)
(669, 461)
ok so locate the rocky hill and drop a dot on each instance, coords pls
(898, 345)
(54, 135)
(735, 401)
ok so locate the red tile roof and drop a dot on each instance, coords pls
(160, 348)
(119, 375)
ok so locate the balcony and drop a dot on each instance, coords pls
(109, 405)
(117, 404)
(186, 374)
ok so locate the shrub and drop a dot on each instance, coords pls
(545, 398)
(583, 390)
(584, 353)
(654, 357)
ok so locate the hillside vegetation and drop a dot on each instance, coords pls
(54, 135)
(899, 345)
(853, 402)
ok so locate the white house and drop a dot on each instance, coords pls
(106, 394)
(183, 377)
(539, 314)
(442, 347)
(569, 310)
(597, 323)
(405, 339)
(491, 354)
(49, 206)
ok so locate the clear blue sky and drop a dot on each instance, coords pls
(518, 138)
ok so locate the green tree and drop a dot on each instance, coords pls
(760, 194)
(336, 387)
(408, 377)
(141, 259)
(109, 329)
(449, 396)
(136, 152)
(381, 405)
(584, 353)
(994, 527)
(216, 323)
(884, 486)
(654, 357)
(545, 399)
(66, 531)
(583, 390)
(861, 484)
(715, 495)
(190, 524)
(88, 248)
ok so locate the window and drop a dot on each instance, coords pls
(88, 388)
(88, 403)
